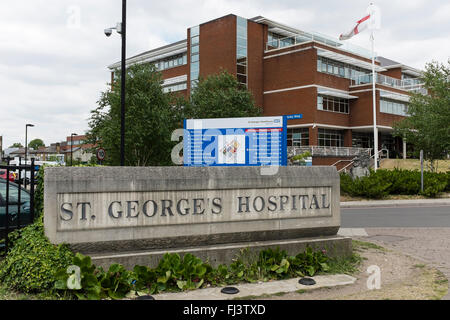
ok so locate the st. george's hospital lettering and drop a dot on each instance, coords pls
(132, 209)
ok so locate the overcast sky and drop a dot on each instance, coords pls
(54, 54)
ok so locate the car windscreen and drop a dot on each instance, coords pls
(14, 193)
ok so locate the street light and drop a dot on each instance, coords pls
(26, 138)
(121, 29)
(71, 148)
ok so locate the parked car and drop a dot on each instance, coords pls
(12, 175)
(13, 206)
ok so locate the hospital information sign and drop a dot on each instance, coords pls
(258, 141)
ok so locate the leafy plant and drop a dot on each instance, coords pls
(310, 262)
(32, 262)
(187, 273)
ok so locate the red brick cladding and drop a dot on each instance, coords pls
(292, 102)
(290, 70)
(394, 73)
(175, 72)
(255, 71)
(218, 46)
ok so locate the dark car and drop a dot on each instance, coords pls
(13, 206)
(12, 176)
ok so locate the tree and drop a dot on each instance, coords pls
(221, 96)
(150, 119)
(36, 143)
(17, 145)
(427, 125)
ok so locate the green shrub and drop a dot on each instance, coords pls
(384, 182)
(32, 262)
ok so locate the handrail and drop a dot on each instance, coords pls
(405, 84)
(341, 161)
(344, 168)
(352, 161)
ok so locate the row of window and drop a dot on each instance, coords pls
(339, 69)
(241, 50)
(331, 138)
(76, 142)
(175, 87)
(332, 104)
(297, 137)
(195, 55)
(393, 107)
(171, 62)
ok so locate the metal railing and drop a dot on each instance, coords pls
(329, 151)
(302, 37)
(15, 210)
(415, 85)
(382, 153)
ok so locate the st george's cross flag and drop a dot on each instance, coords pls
(360, 26)
(371, 20)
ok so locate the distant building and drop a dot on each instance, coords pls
(79, 150)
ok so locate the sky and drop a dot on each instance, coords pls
(54, 54)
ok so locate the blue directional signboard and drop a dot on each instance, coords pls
(258, 141)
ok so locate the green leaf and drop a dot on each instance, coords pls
(200, 283)
(181, 284)
(311, 270)
(60, 285)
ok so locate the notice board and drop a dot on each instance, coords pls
(255, 141)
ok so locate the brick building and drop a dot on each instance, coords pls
(290, 71)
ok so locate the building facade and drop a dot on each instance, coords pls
(76, 149)
(290, 71)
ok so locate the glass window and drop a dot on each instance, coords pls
(195, 58)
(241, 69)
(242, 42)
(195, 49)
(319, 102)
(335, 69)
(242, 78)
(195, 40)
(331, 138)
(319, 65)
(241, 50)
(195, 31)
(333, 104)
(297, 137)
(330, 68)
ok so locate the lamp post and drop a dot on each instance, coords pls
(121, 29)
(71, 148)
(26, 138)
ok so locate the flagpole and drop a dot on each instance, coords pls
(375, 131)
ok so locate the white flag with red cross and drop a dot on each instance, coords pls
(371, 20)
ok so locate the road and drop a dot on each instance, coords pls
(389, 217)
(423, 232)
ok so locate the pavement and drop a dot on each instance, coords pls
(430, 245)
(249, 290)
(396, 203)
